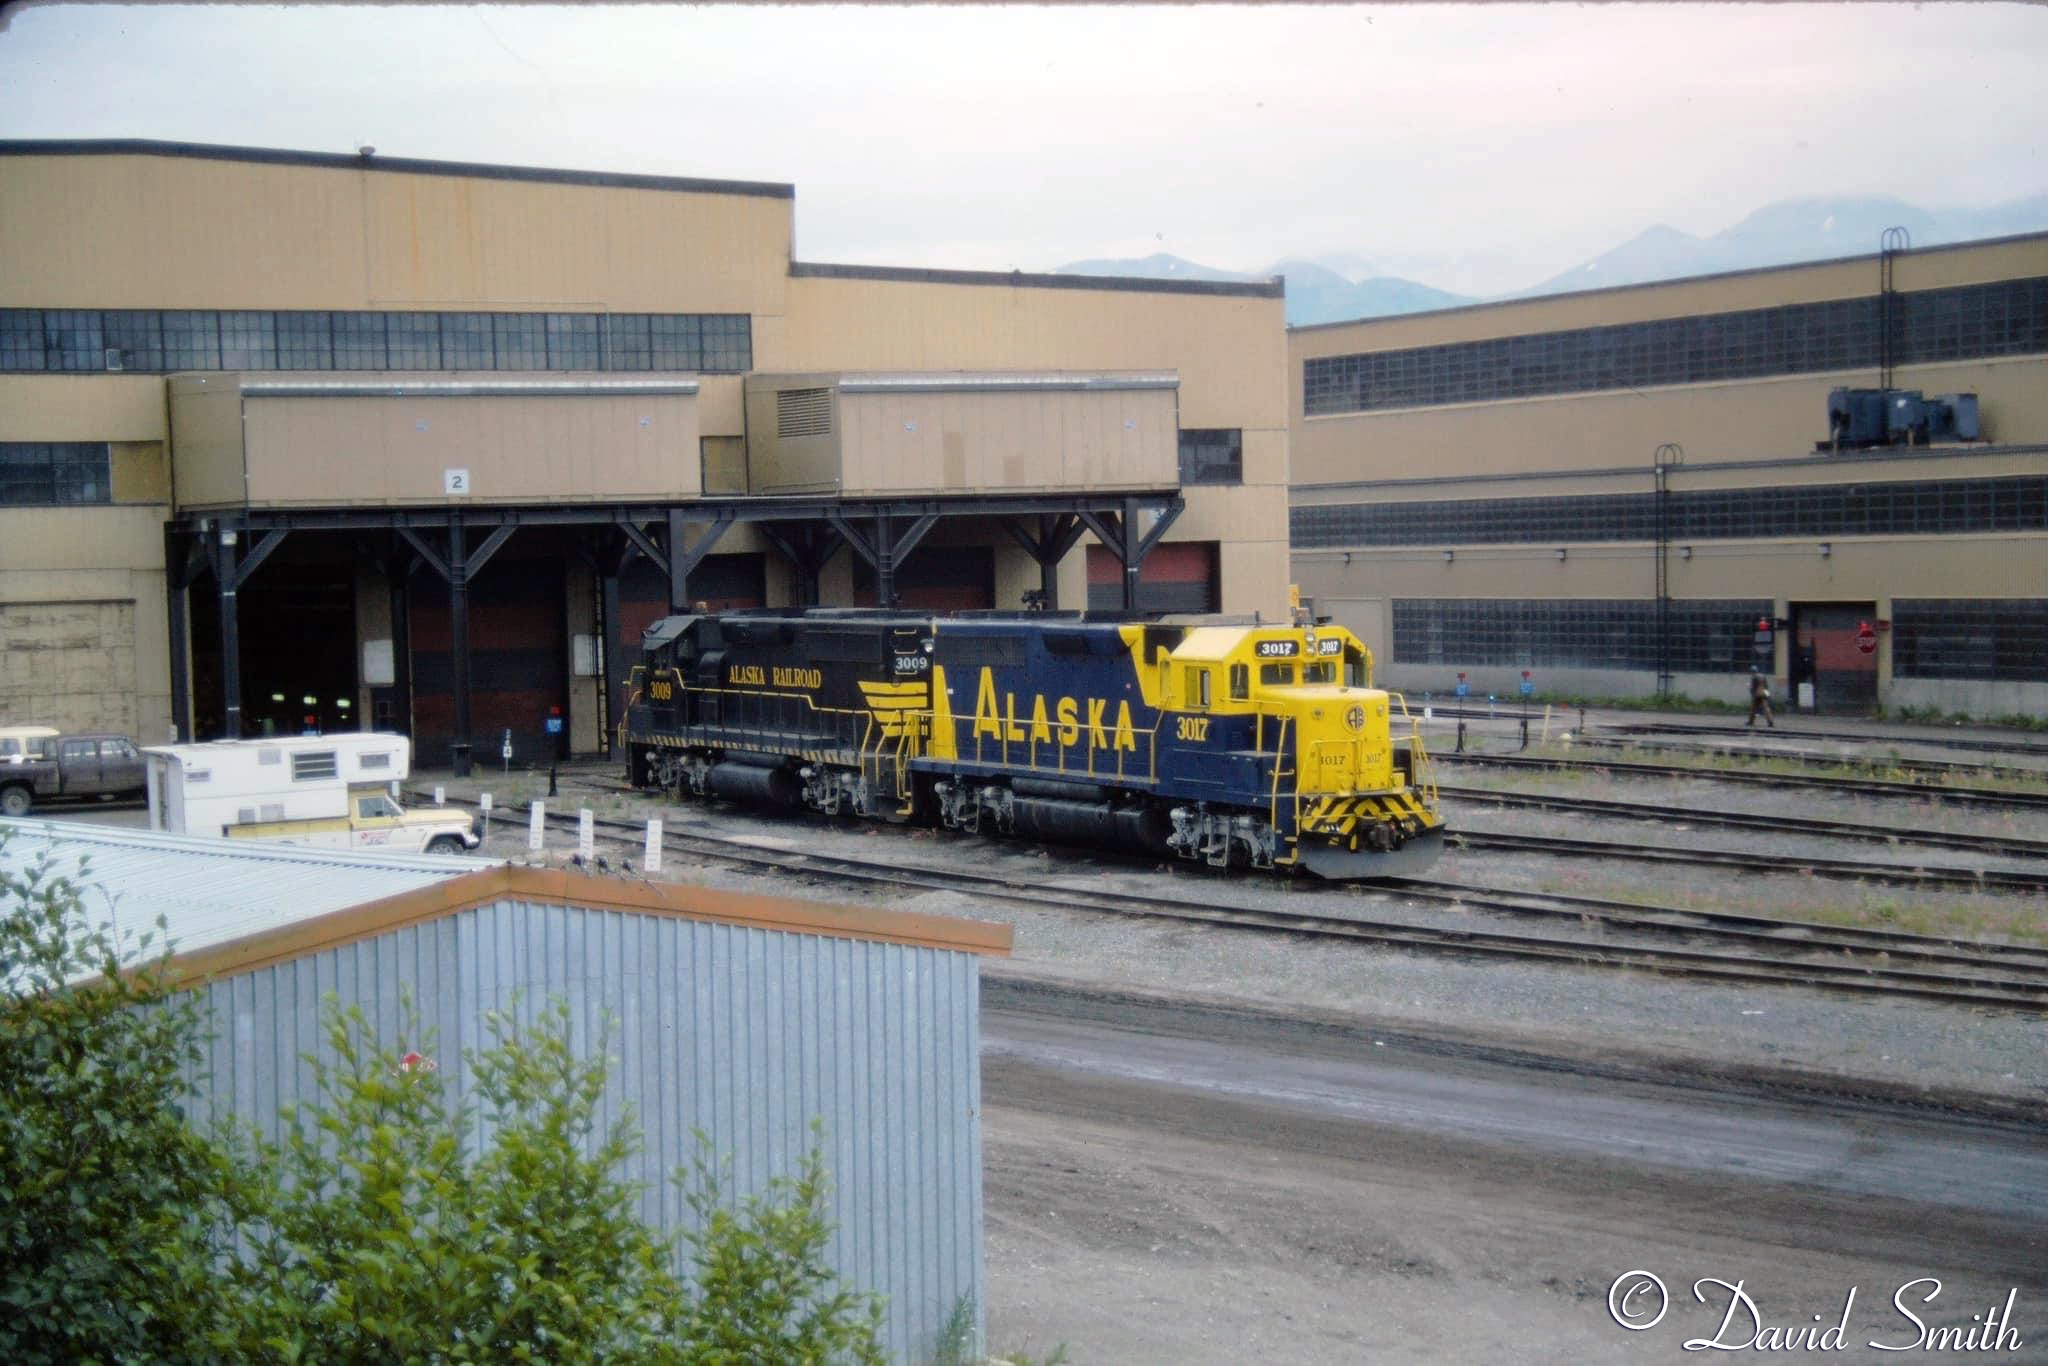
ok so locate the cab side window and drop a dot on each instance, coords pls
(81, 749)
(374, 808)
(1240, 682)
(1276, 675)
(1198, 689)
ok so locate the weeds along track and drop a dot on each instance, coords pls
(1723, 947)
(1944, 879)
(1853, 786)
(1742, 820)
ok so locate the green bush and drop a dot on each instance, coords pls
(115, 1214)
(390, 1223)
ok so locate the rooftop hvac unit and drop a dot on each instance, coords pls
(1865, 419)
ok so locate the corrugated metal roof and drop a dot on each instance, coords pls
(213, 891)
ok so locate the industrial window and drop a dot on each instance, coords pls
(305, 341)
(1212, 455)
(21, 339)
(412, 341)
(1964, 322)
(521, 340)
(466, 342)
(92, 341)
(134, 339)
(54, 473)
(1972, 639)
(359, 342)
(1702, 636)
(1923, 507)
(315, 764)
(677, 342)
(728, 342)
(572, 341)
(73, 340)
(248, 341)
(625, 340)
(191, 340)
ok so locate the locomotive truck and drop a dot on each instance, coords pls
(1238, 744)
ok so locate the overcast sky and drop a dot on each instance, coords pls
(1479, 149)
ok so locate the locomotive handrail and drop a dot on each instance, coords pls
(1422, 772)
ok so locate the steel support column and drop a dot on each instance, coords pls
(458, 643)
(183, 560)
(684, 555)
(398, 571)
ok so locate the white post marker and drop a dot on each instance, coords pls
(652, 862)
(484, 803)
(440, 795)
(1429, 713)
(586, 835)
(535, 816)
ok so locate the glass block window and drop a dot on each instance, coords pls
(77, 341)
(73, 340)
(1212, 455)
(1964, 322)
(1980, 639)
(21, 339)
(248, 341)
(1905, 508)
(305, 341)
(572, 341)
(521, 340)
(359, 342)
(54, 473)
(138, 334)
(1705, 636)
(191, 340)
(466, 342)
(413, 341)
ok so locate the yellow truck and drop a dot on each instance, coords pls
(326, 791)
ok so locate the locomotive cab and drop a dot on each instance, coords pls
(1353, 797)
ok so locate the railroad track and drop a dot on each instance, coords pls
(1732, 749)
(1783, 825)
(1955, 879)
(1858, 787)
(1865, 962)
(2034, 748)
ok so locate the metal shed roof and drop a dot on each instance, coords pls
(212, 892)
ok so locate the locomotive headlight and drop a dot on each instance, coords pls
(1308, 640)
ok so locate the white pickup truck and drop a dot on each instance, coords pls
(330, 791)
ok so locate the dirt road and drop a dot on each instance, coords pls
(1171, 1185)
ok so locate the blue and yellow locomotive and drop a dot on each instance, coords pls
(1261, 745)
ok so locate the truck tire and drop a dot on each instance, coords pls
(16, 800)
(445, 844)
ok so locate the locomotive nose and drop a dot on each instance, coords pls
(1341, 742)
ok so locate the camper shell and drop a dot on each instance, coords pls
(334, 791)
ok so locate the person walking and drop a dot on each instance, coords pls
(1760, 699)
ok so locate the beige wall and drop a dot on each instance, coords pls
(342, 450)
(180, 232)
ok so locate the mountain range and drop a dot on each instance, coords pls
(1344, 286)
